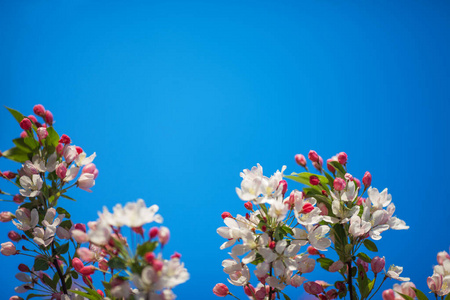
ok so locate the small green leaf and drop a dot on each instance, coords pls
(370, 246)
(338, 167)
(40, 264)
(419, 294)
(364, 257)
(86, 295)
(145, 248)
(288, 230)
(49, 282)
(405, 296)
(17, 115)
(116, 263)
(62, 249)
(53, 138)
(286, 297)
(325, 262)
(61, 211)
(16, 154)
(67, 197)
(20, 143)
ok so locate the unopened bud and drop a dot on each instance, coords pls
(329, 166)
(103, 265)
(164, 235)
(263, 228)
(39, 110)
(175, 255)
(313, 156)
(79, 150)
(25, 124)
(226, 215)
(64, 139)
(312, 251)
(9, 174)
(314, 180)
(220, 290)
(272, 245)
(48, 117)
(149, 257)
(342, 158)
(42, 133)
(14, 236)
(249, 290)
(377, 264)
(157, 265)
(367, 179)
(24, 268)
(6, 216)
(153, 232)
(32, 119)
(60, 149)
(61, 170)
(87, 280)
(18, 199)
(23, 134)
(318, 164)
(307, 208)
(87, 270)
(283, 184)
(388, 295)
(358, 183)
(300, 160)
(248, 205)
(77, 264)
(339, 184)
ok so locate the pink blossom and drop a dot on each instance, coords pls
(377, 264)
(163, 235)
(39, 110)
(86, 254)
(86, 181)
(300, 160)
(8, 249)
(220, 290)
(435, 283)
(48, 117)
(25, 124)
(6, 216)
(313, 288)
(367, 179)
(90, 169)
(339, 184)
(313, 156)
(42, 133)
(342, 158)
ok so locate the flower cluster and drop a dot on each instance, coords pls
(281, 232)
(50, 166)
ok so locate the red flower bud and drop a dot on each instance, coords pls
(25, 124)
(226, 215)
(248, 205)
(342, 158)
(39, 110)
(313, 156)
(300, 160)
(314, 180)
(153, 232)
(48, 117)
(367, 179)
(220, 290)
(307, 208)
(64, 139)
(87, 270)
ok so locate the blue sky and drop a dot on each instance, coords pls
(177, 97)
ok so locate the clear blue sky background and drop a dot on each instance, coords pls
(177, 97)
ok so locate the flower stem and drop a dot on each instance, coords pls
(55, 263)
(349, 280)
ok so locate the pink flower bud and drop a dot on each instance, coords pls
(80, 226)
(264, 228)
(332, 294)
(307, 208)
(149, 257)
(348, 177)
(435, 283)
(362, 263)
(358, 183)
(90, 169)
(163, 235)
(103, 265)
(313, 156)
(23, 268)
(377, 264)
(87, 280)
(60, 149)
(312, 251)
(339, 184)
(367, 179)
(313, 288)
(77, 264)
(14, 236)
(61, 170)
(249, 290)
(318, 164)
(314, 180)
(79, 149)
(175, 255)
(39, 110)
(442, 256)
(86, 254)
(6, 216)
(87, 270)
(157, 265)
(226, 215)
(48, 117)
(388, 295)
(64, 139)
(23, 134)
(139, 230)
(18, 199)
(153, 232)
(101, 293)
(220, 290)
(8, 249)
(32, 119)
(300, 160)
(42, 133)
(342, 158)
(329, 166)
(340, 286)
(272, 245)
(25, 124)
(248, 205)
(86, 181)
(336, 266)
(9, 174)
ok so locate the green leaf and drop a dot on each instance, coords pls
(288, 230)
(20, 143)
(116, 263)
(405, 296)
(92, 292)
(419, 294)
(49, 282)
(67, 224)
(364, 257)
(325, 262)
(61, 211)
(40, 264)
(53, 138)
(370, 246)
(338, 167)
(17, 115)
(62, 249)
(286, 297)
(145, 248)
(16, 154)
(67, 197)
(92, 297)
(35, 295)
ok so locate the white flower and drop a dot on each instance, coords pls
(281, 256)
(358, 227)
(316, 237)
(238, 272)
(311, 217)
(100, 233)
(133, 214)
(173, 273)
(394, 273)
(251, 182)
(232, 232)
(82, 160)
(278, 209)
(377, 221)
(28, 283)
(26, 219)
(250, 243)
(31, 186)
(44, 237)
(379, 200)
(86, 181)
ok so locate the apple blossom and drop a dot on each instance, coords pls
(300, 159)
(8, 249)
(220, 290)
